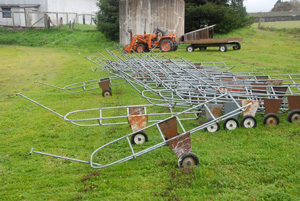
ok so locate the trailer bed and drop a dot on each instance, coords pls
(203, 38)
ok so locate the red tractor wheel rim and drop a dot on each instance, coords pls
(139, 49)
(166, 46)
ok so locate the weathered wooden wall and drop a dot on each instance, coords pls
(168, 15)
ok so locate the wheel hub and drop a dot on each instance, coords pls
(271, 121)
(296, 118)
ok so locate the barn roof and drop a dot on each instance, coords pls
(20, 5)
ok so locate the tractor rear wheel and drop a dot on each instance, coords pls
(166, 45)
(140, 48)
(175, 46)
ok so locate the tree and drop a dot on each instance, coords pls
(108, 18)
(228, 15)
(283, 6)
(295, 5)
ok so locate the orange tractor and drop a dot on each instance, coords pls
(145, 42)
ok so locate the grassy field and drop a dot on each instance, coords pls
(291, 26)
(245, 164)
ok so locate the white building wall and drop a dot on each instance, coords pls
(70, 6)
(74, 6)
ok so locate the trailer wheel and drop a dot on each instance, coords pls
(213, 128)
(223, 48)
(140, 48)
(271, 119)
(139, 138)
(202, 48)
(294, 116)
(188, 160)
(248, 121)
(106, 93)
(230, 124)
(190, 48)
(166, 45)
(237, 46)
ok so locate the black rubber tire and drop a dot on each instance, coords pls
(166, 41)
(237, 46)
(139, 46)
(211, 127)
(245, 120)
(223, 48)
(175, 46)
(190, 48)
(202, 48)
(136, 140)
(271, 119)
(106, 93)
(293, 116)
(188, 160)
(230, 126)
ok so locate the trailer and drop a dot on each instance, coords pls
(203, 38)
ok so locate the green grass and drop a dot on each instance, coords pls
(280, 25)
(256, 164)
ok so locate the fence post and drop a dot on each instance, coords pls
(67, 20)
(259, 22)
(83, 19)
(60, 22)
(25, 17)
(13, 18)
(57, 19)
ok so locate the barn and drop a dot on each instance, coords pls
(27, 12)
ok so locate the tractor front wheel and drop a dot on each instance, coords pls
(166, 46)
(140, 48)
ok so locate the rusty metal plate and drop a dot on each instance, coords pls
(261, 77)
(259, 87)
(272, 105)
(251, 110)
(236, 88)
(181, 144)
(137, 122)
(275, 82)
(229, 78)
(215, 109)
(104, 83)
(169, 127)
(280, 91)
(294, 102)
(229, 107)
(136, 110)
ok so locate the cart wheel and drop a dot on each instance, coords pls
(271, 119)
(237, 46)
(166, 45)
(139, 138)
(248, 121)
(202, 48)
(213, 128)
(223, 48)
(190, 48)
(106, 93)
(140, 48)
(294, 116)
(188, 160)
(230, 124)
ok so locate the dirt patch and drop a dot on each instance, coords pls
(87, 177)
